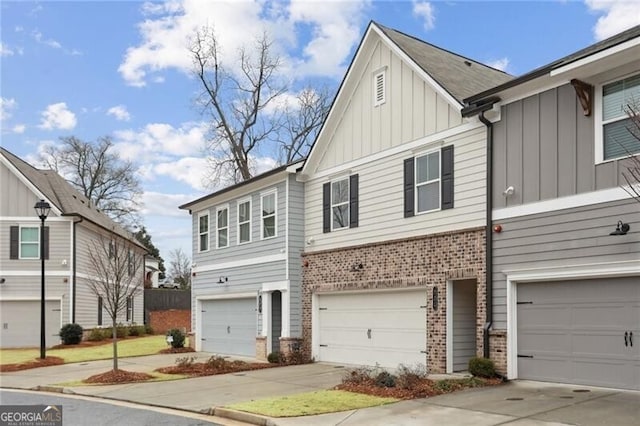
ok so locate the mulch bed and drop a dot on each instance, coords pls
(198, 369)
(177, 350)
(47, 362)
(118, 377)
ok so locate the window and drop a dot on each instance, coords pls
(29, 242)
(340, 204)
(203, 232)
(130, 308)
(428, 182)
(427, 174)
(268, 208)
(222, 221)
(244, 221)
(618, 141)
(99, 310)
(379, 88)
(130, 265)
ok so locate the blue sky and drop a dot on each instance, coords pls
(121, 68)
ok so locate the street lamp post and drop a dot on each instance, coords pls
(42, 209)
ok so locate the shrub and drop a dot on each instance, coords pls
(358, 375)
(148, 329)
(216, 362)
(385, 380)
(71, 334)
(178, 338)
(482, 367)
(122, 331)
(97, 334)
(410, 377)
(136, 330)
(186, 361)
(276, 357)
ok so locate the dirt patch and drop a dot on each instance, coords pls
(421, 388)
(118, 376)
(214, 365)
(177, 350)
(36, 363)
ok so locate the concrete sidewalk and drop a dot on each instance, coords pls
(519, 403)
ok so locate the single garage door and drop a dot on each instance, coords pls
(20, 321)
(383, 328)
(229, 326)
(583, 332)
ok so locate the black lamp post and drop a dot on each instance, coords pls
(42, 209)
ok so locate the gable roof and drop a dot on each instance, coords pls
(593, 49)
(460, 76)
(64, 197)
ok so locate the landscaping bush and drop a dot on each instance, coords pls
(482, 367)
(216, 362)
(386, 380)
(276, 357)
(148, 329)
(358, 375)
(71, 334)
(122, 331)
(96, 335)
(410, 377)
(136, 330)
(186, 361)
(178, 338)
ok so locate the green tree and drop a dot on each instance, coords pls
(143, 236)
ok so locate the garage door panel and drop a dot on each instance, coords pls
(229, 326)
(20, 323)
(600, 316)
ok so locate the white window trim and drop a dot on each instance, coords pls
(599, 122)
(416, 184)
(218, 209)
(20, 242)
(377, 74)
(348, 179)
(208, 231)
(242, 201)
(275, 213)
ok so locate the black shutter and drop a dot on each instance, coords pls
(99, 310)
(326, 207)
(353, 201)
(14, 246)
(46, 242)
(447, 177)
(409, 188)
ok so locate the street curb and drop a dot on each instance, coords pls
(44, 388)
(242, 416)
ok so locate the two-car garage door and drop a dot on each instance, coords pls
(582, 331)
(383, 328)
(20, 323)
(229, 326)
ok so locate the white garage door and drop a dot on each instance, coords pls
(229, 326)
(384, 328)
(583, 332)
(20, 323)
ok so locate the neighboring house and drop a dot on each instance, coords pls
(395, 210)
(73, 226)
(246, 269)
(151, 271)
(566, 293)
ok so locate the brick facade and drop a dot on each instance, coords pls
(261, 348)
(498, 350)
(420, 262)
(162, 321)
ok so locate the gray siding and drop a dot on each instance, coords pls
(562, 238)
(544, 148)
(16, 199)
(296, 247)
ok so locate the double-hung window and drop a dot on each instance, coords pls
(130, 308)
(244, 221)
(222, 228)
(340, 204)
(203, 232)
(29, 242)
(427, 182)
(268, 203)
(617, 137)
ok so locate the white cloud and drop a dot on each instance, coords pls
(617, 16)
(37, 35)
(19, 28)
(19, 129)
(168, 26)
(190, 170)
(161, 140)
(425, 11)
(119, 112)
(6, 106)
(499, 64)
(160, 204)
(58, 116)
(5, 50)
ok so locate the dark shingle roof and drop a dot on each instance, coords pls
(66, 198)
(458, 75)
(622, 37)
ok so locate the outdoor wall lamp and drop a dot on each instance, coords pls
(621, 229)
(357, 267)
(223, 280)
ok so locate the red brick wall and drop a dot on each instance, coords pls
(162, 321)
(498, 350)
(421, 262)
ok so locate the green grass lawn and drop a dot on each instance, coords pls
(126, 348)
(311, 403)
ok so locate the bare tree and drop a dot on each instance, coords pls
(244, 107)
(99, 174)
(632, 169)
(114, 278)
(180, 268)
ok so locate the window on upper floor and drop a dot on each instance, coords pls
(379, 88)
(130, 260)
(222, 227)
(428, 182)
(203, 232)
(268, 202)
(244, 221)
(130, 308)
(25, 242)
(340, 204)
(617, 138)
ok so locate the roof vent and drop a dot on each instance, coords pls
(467, 63)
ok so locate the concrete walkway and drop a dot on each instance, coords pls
(519, 403)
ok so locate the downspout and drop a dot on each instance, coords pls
(488, 237)
(74, 268)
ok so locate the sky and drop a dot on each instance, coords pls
(122, 69)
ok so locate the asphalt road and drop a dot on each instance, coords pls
(82, 411)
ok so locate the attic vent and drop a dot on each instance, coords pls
(379, 88)
(467, 63)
